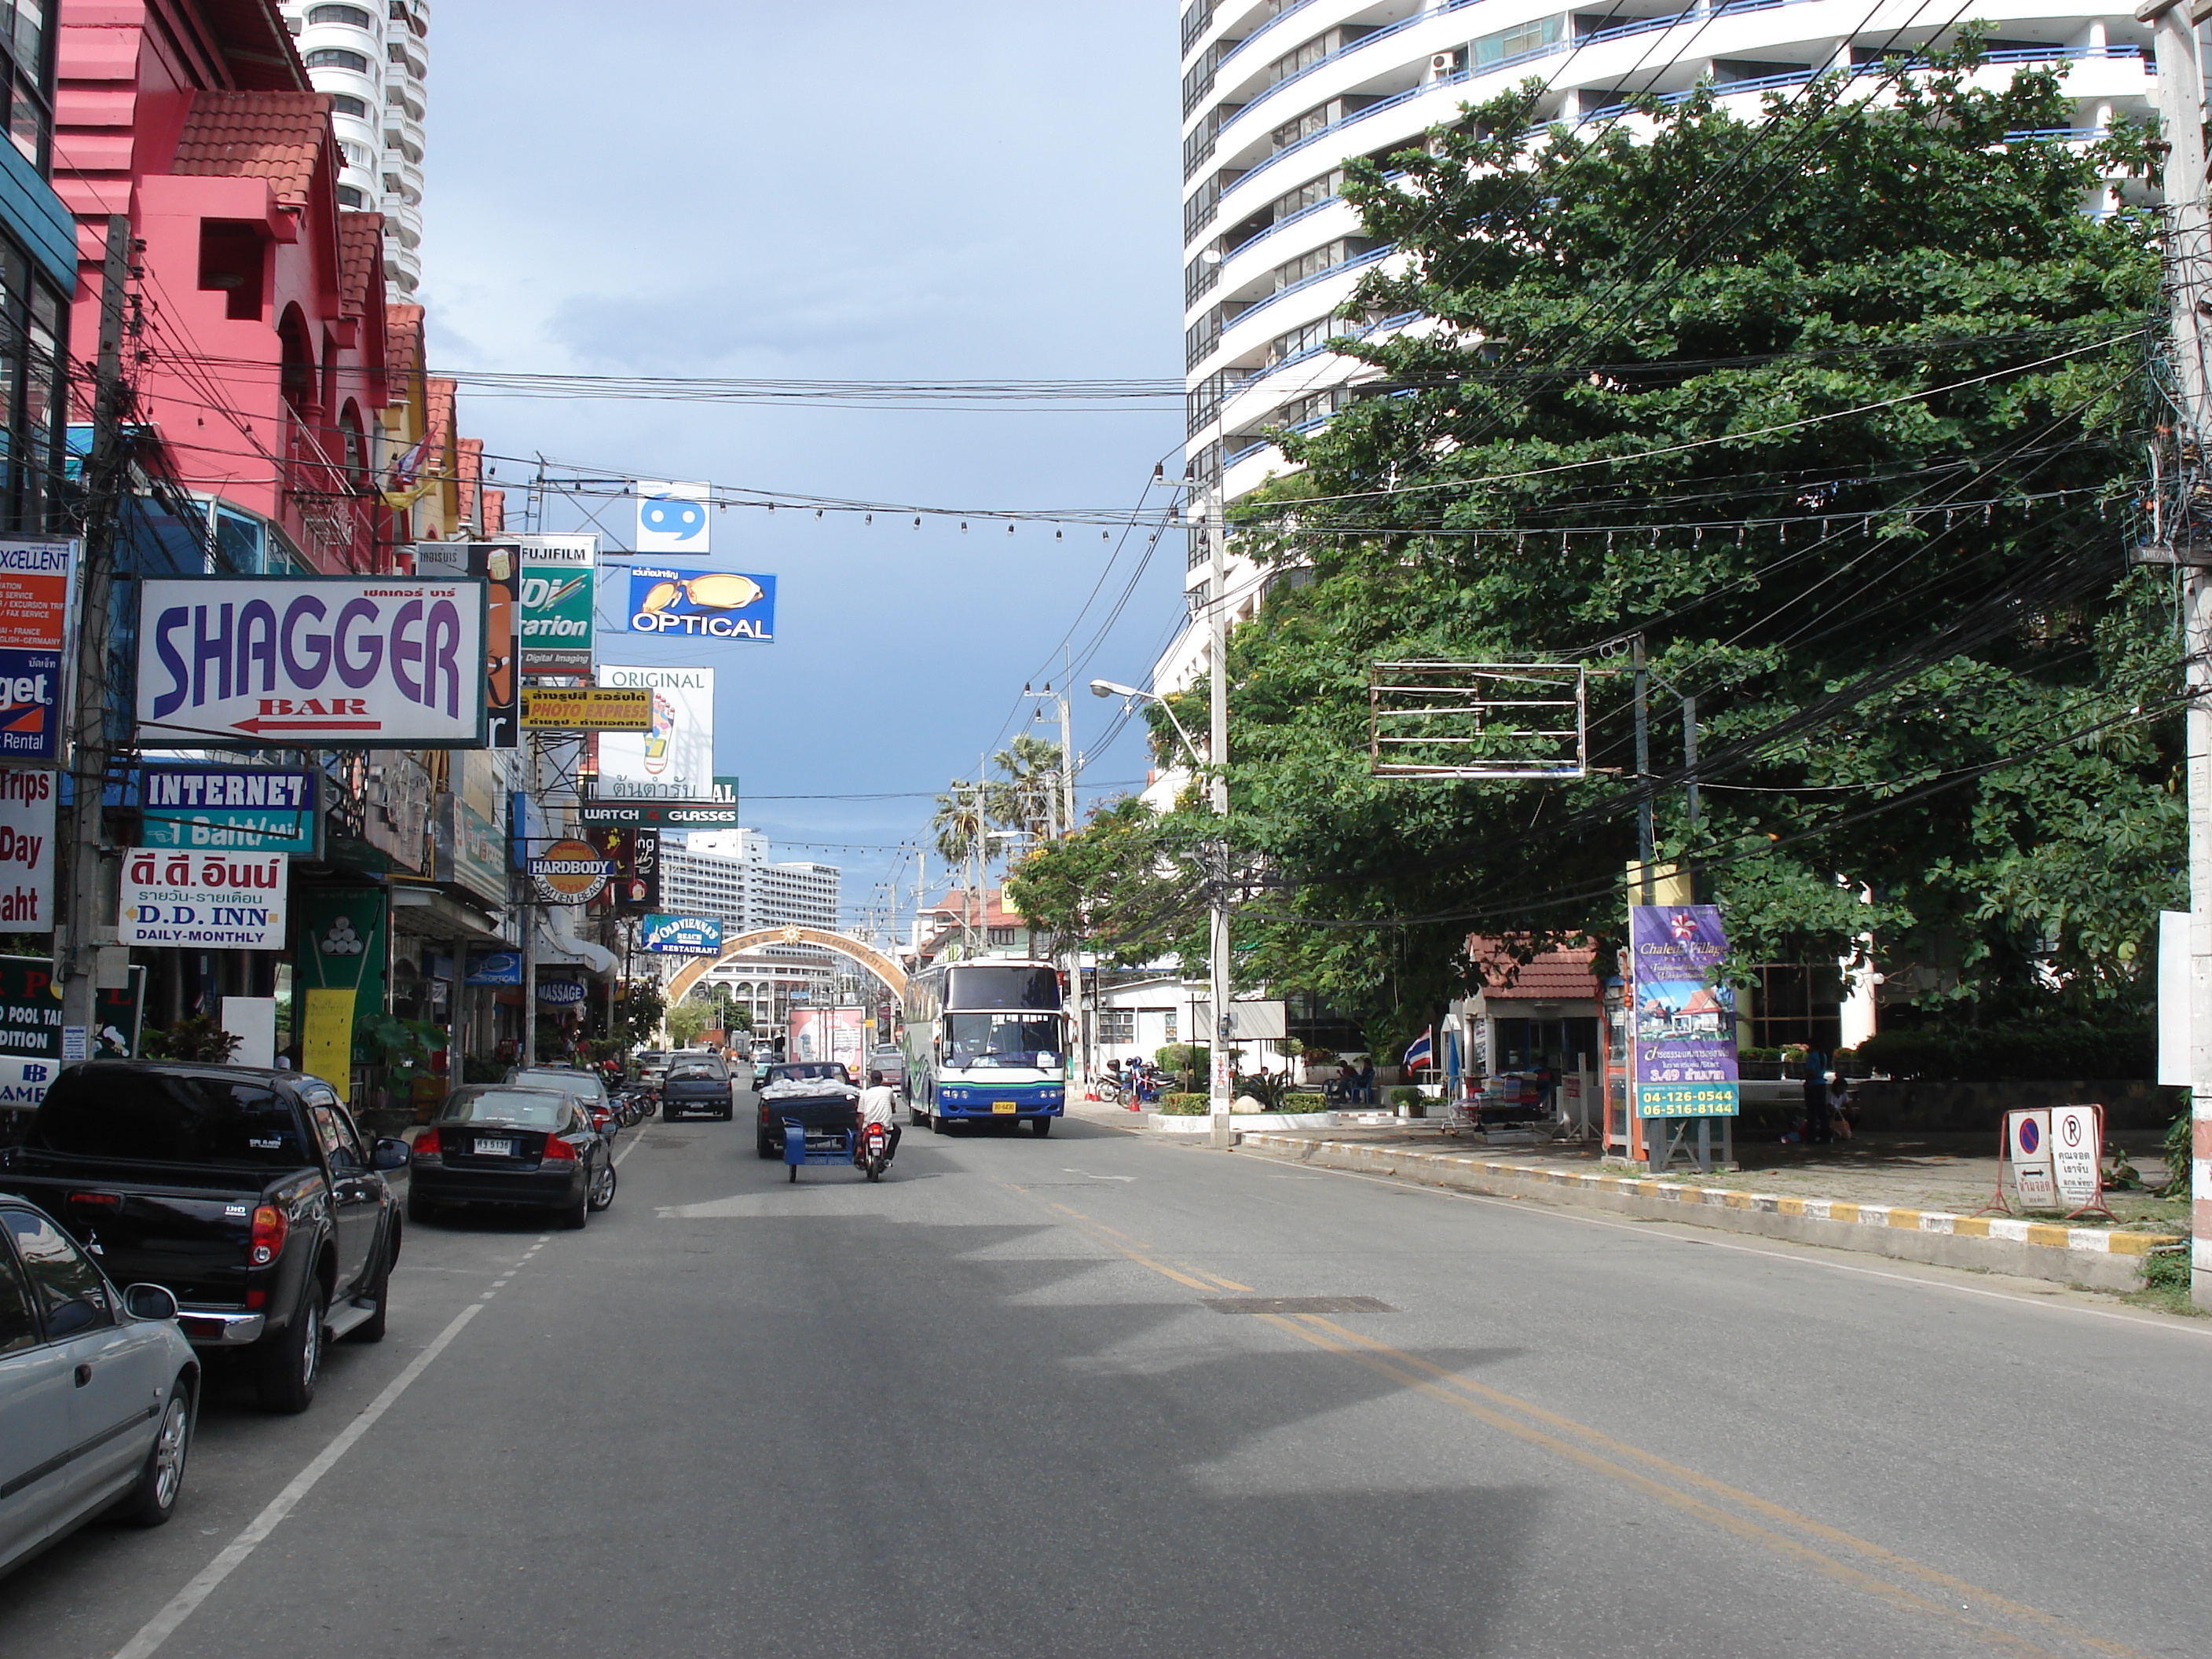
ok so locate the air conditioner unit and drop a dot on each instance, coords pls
(1444, 62)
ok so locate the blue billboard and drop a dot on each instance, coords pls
(688, 936)
(714, 604)
(259, 809)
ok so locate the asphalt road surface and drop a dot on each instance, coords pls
(1010, 1402)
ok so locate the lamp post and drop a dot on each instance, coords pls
(1218, 1091)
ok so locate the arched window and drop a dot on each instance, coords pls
(344, 103)
(298, 375)
(353, 15)
(338, 58)
(357, 446)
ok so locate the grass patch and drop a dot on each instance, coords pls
(2165, 1285)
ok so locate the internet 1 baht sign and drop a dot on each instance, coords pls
(1684, 1031)
(300, 661)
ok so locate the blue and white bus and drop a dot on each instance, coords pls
(986, 1040)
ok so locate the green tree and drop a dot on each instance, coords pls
(686, 1020)
(1836, 409)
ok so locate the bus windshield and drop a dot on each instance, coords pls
(993, 986)
(1025, 1039)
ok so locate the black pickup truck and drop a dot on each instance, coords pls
(250, 1195)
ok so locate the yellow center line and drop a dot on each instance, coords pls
(1751, 1501)
(1903, 1600)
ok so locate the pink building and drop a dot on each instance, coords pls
(260, 362)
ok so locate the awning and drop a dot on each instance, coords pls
(429, 914)
(560, 949)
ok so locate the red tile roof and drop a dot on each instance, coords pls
(360, 254)
(494, 513)
(277, 135)
(1550, 977)
(402, 338)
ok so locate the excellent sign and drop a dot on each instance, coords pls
(203, 899)
(35, 589)
(306, 661)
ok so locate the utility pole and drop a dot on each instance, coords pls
(1646, 848)
(2189, 287)
(1216, 745)
(1067, 815)
(1689, 789)
(88, 768)
(528, 910)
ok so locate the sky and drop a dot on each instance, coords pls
(881, 189)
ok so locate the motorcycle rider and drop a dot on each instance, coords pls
(878, 1104)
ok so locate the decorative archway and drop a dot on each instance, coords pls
(883, 967)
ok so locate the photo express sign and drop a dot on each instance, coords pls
(301, 661)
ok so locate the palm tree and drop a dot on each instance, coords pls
(959, 823)
(1027, 800)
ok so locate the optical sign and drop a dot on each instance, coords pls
(715, 604)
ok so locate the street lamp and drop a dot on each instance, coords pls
(1218, 1073)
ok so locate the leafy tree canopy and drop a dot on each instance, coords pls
(1837, 409)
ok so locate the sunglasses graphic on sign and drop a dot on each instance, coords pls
(671, 518)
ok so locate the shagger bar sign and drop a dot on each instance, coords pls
(300, 661)
(233, 899)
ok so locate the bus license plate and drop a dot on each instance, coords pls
(1003, 1106)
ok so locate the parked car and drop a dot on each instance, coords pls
(697, 1082)
(584, 1086)
(817, 1093)
(99, 1392)
(249, 1195)
(652, 1065)
(499, 1143)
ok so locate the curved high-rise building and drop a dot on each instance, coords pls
(373, 57)
(1278, 94)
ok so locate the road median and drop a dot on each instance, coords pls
(2093, 1258)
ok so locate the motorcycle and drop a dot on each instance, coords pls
(873, 1153)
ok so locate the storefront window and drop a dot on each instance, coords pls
(32, 399)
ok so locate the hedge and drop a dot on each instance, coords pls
(2013, 1053)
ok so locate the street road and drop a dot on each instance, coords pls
(1001, 1405)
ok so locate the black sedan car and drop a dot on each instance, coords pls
(498, 1143)
(697, 1083)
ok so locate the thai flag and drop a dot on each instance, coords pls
(1424, 1050)
(408, 466)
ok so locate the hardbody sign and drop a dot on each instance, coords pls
(298, 661)
(176, 897)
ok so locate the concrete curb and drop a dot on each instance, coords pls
(2094, 1258)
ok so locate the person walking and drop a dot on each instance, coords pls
(1816, 1096)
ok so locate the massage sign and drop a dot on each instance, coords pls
(312, 661)
(205, 899)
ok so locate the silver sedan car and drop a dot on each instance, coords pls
(99, 1392)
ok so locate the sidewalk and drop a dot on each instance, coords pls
(1904, 1195)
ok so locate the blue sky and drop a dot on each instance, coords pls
(875, 191)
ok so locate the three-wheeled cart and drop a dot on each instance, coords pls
(827, 1146)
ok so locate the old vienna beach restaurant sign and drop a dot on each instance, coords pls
(299, 661)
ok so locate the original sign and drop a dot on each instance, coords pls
(714, 604)
(674, 759)
(35, 576)
(671, 518)
(255, 809)
(585, 709)
(684, 936)
(27, 800)
(226, 899)
(308, 661)
(556, 604)
(2076, 1149)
